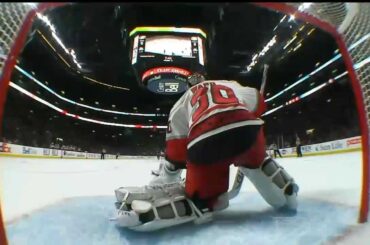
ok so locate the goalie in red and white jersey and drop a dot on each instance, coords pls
(213, 125)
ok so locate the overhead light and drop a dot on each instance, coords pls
(292, 17)
(114, 106)
(150, 120)
(70, 52)
(31, 111)
(267, 94)
(282, 19)
(115, 118)
(310, 131)
(46, 83)
(317, 64)
(297, 47)
(311, 84)
(309, 33)
(82, 99)
(290, 41)
(85, 112)
(158, 109)
(120, 134)
(32, 72)
(261, 53)
(62, 92)
(93, 131)
(328, 100)
(96, 103)
(135, 108)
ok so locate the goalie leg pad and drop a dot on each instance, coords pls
(151, 208)
(274, 184)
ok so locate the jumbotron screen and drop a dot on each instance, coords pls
(169, 45)
(163, 57)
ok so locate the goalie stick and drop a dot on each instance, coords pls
(239, 177)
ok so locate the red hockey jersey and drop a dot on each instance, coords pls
(209, 108)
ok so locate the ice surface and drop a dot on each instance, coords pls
(70, 202)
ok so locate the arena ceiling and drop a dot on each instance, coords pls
(100, 73)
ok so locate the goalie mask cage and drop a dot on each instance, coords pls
(347, 23)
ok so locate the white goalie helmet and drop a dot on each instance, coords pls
(195, 78)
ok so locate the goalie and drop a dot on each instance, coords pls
(213, 125)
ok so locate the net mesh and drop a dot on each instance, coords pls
(12, 16)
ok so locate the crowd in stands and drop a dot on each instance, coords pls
(27, 122)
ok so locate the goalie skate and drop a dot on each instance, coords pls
(164, 175)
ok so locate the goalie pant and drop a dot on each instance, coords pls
(213, 125)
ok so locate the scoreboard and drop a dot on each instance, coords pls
(163, 57)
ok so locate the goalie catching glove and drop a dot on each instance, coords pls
(155, 207)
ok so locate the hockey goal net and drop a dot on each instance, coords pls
(348, 23)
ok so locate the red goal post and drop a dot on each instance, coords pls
(346, 22)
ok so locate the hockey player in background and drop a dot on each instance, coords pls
(276, 150)
(213, 125)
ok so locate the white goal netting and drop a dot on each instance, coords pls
(12, 16)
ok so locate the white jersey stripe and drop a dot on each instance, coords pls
(224, 128)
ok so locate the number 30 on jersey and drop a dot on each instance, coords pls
(219, 94)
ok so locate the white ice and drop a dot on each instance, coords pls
(28, 185)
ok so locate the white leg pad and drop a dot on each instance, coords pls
(156, 207)
(274, 184)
